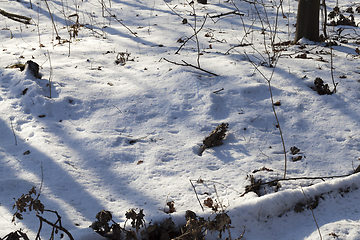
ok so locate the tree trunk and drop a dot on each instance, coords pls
(307, 25)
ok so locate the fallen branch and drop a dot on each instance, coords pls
(217, 91)
(224, 14)
(190, 65)
(274, 182)
(15, 17)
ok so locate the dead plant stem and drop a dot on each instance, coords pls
(222, 210)
(331, 68)
(52, 20)
(312, 211)
(197, 195)
(196, 33)
(38, 28)
(51, 72)
(278, 125)
(54, 226)
(272, 103)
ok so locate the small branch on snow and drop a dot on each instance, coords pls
(117, 108)
(217, 91)
(224, 14)
(190, 65)
(16, 17)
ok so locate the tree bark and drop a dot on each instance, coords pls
(307, 25)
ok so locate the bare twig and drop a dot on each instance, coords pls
(311, 211)
(52, 20)
(16, 17)
(194, 28)
(39, 230)
(119, 21)
(235, 12)
(197, 196)
(51, 72)
(273, 182)
(272, 103)
(238, 45)
(332, 69)
(190, 65)
(191, 4)
(117, 108)
(195, 34)
(38, 28)
(54, 226)
(217, 91)
(223, 211)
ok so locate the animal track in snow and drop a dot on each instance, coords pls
(79, 129)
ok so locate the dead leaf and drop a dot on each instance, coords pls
(27, 152)
(278, 103)
(171, 206)
(294, 150)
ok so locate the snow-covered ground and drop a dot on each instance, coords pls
(128, 135)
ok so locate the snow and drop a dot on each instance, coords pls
(120, 136)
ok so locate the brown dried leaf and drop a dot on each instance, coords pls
(171, 206)
(294, 150)
(216, 136)
(131, 214)
(208, 202)
(221, 222)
